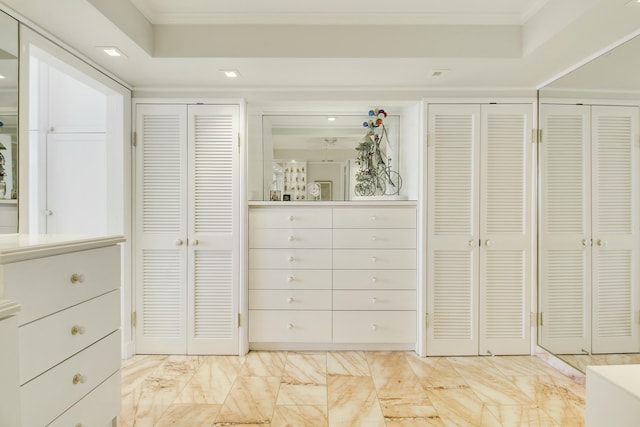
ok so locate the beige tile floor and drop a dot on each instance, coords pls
(581, 361)
(367, 389)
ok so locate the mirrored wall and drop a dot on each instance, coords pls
(589, 221)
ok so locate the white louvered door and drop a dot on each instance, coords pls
(565, 218)
(187, 241)
(452, 243)
(615, 229)
(505, 229)
(161, 229)
(213, 229)
(479, 229)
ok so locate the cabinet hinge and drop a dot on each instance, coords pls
(427, 139)
(540, 136)
(540, 322)
(238, 140)
(134, 139)
(238, 320)
(426, 320)
(134, 318)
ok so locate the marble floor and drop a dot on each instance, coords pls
(581, 361)
(369, 389)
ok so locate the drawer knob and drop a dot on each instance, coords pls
(374, 279)
(374, 327)
(77, 329)
(290, 217)
(374, 259)
(374, 300)
(290, 259)
(373, 218)
(290, 279)
(292, 238)
(290, 300)
(77, 278)
(79, 379)
(374, 238)
(290, 326)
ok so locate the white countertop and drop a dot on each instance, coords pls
(20, 247)
(626, 377)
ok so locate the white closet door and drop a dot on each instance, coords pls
(452, 243)
(505, 229)
(161, 229)
(615, 229)
(213, 229)
(565, 241)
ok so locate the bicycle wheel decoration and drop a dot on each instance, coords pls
(375, 176)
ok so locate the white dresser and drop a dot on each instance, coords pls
(335, 276)
(68, 329)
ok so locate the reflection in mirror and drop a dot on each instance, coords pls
(314, 157)
(8, 123)
(589, 230)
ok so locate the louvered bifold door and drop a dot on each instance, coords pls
(564, 233)
(615, 229)
(505, 229)
(213, 229)
(161, 203)
(452, 241)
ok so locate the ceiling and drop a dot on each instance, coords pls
(335, 49)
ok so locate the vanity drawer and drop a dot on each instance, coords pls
(374, 259)
(98, 408)
(289, 326)
(374, 326)
(398, 217)
(50, 340)
(54, 391)
(290, 217)
(374, 279)
(290, 238)
(374, 300)
(289, 279)
(290, 258)
(289, 300)
(50, 284)
(389, 238)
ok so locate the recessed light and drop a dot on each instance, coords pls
(111, 51)
(232, 74)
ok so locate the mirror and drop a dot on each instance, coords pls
(315, 157)
(8, 123)
(589, 222)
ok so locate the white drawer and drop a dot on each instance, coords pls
(353, 217)
(403, 238)
(98, 408)
(374, 326)
(289, 300)
(290, 258)
(374, 259)
(48, 341)
(54, 391)
(289, 238)
(289, 326)
(289, 279)
(290, 217)
(374, 279)
(374, 300)
(46, 285)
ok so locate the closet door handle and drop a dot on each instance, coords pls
(488, 242)
(195, 242)
(179, 242)
(77, 278)
(602, 242)
(472, 242)
(586, 242)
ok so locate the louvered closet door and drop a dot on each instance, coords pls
(213, 229)
(161, 227)
(564, 243)
(505, 229)
(452, 244)
(615, 229)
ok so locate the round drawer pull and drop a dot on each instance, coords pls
(374, 259)
(290, 300)
(290, 259)
(195, 242)
(292, 238)
(290, 279)
(374, 279)
(374, 238)
(290, 218)
(77, 278)
(374, 300)
(374, 327)
(77, 329)
(79, 379)
(290, 326)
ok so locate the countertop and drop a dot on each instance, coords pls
(21, 247)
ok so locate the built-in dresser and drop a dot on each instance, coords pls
(339, 275)
(68, 328)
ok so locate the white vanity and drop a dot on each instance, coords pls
(66, 334)
(613, 396)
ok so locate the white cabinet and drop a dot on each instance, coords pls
(188, 242)
(69, 341)
(332, 276)
(589, 229)
(479, 256)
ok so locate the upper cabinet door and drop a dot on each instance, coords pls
(505, 229)
(452, 242)
(615, 229)
(565, 218)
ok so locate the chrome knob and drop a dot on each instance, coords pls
(77, 329)
(290, 326)
(290, 217)
(290, 300)
(374, 327)
(374, 259)
(290, 279)
(77, 278)
(374, 300)
(290, 259)
(374, 279)
(291, 238)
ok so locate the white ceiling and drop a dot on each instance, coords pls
(335, 49)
